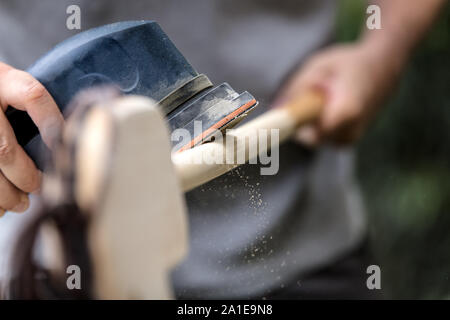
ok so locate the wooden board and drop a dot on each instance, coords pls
(138, 230)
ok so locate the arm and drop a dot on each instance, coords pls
(357, 77)
(404, 23)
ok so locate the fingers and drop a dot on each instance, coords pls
(341, 73)
(11, 198)
(314, 75)
(15, 164)
(308, 78)
(337, 110)
(18, 174)
(21, 91)
(341, 118)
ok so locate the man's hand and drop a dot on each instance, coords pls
(18, 174)
(354, 78)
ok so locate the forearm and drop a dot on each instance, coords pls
(404, 23)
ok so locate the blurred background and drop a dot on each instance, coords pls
(404, 168)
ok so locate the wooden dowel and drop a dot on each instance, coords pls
(286, 119)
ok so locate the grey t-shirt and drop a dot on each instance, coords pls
(249, 234)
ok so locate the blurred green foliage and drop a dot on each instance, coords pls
(404, 167)
(351, 17)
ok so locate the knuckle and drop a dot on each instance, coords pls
(6, 150)
(316, 60)
(33, 90)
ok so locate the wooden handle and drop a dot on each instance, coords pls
(286, 119)
(306, 107)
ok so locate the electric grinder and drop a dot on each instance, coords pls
(138, 58)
